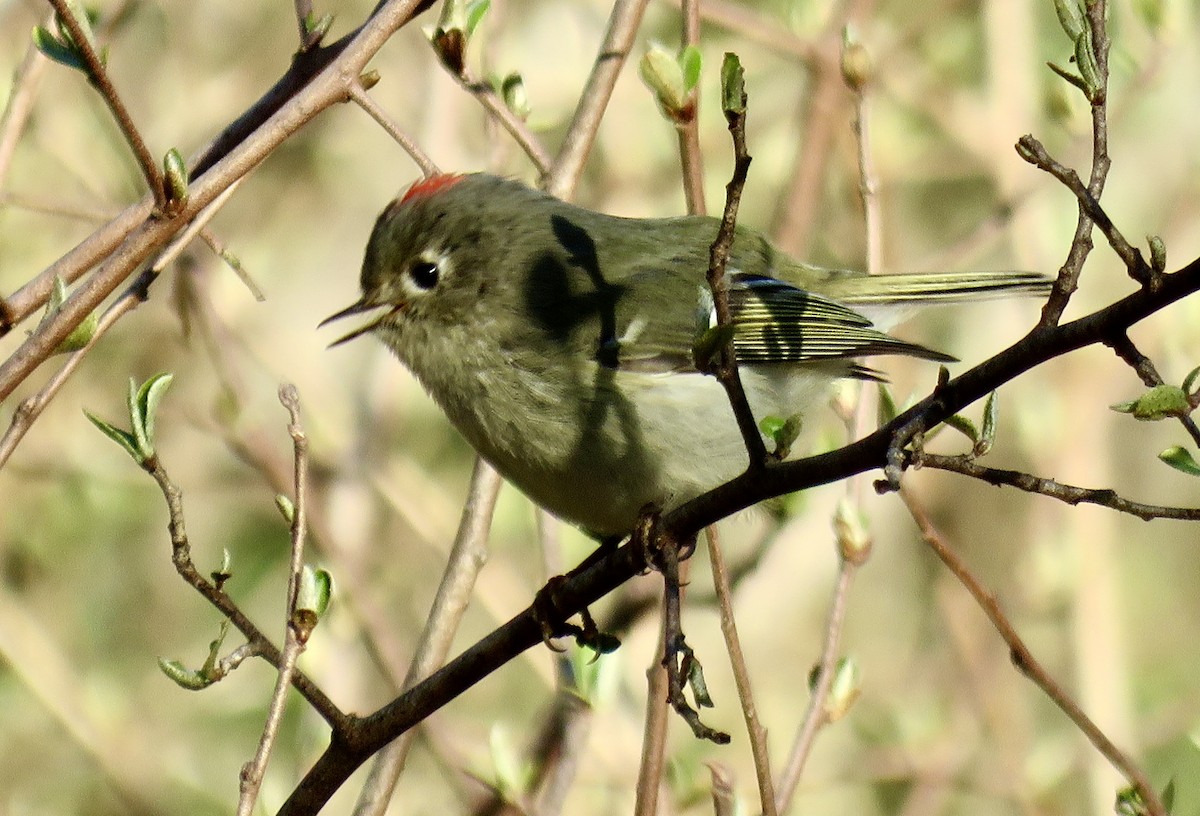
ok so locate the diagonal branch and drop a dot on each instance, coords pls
(350, 749)
(134, 235)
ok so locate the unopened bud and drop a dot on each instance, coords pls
(857, 67)
(849, 526)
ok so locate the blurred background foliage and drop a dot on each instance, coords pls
(88, 597)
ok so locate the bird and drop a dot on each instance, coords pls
(562, 342)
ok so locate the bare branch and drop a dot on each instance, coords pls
(741, 675)
(618, 40)
(1024, 660)
(1070, 494)
(467, 557)
(364, 101)
(98, 76)
(296, 627)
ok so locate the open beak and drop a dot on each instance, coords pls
(360, 307)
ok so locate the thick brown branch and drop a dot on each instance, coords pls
(577, 591)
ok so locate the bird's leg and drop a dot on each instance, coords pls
(551, 618)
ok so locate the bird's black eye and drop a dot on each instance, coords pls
(424, 274)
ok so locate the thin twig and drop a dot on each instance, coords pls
(364, 101)
(623, 24)
(98, 76)
(849, 560)
(20, 103)
(755, 26)
(181, 557)
(688, 130)
(1024, 660)
(467, 557)
(1032, 150)
(967, 466)
(801, 201)
(297, 628)
(1067, 280)
(652, 762)
(815, 715)
(726, 368)
(741, 675)
(724, 801)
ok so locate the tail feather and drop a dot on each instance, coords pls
(935, 287)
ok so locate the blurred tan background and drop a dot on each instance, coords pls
(88, 596)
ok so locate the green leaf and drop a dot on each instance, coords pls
(512, 89)
(286, 507)
(1181, 460)
(143, 408)
(844, 690)
(888, 410)
(1189, 381)
(57, 50)
(85, 17)
(964, 426)
(1085, 61)
(1070, 17)
(710, 345)
(987, 435)
(1160, 402)
(82, 334)
(512, 775)
(185, 678)
(771, 425)
(661, 72)
(695, 679)
(1168, 795)
(783, 432)
(475, 14)
(175, 173)
(733, 85)
(585, 666)
(200, 678)
(850, 529)
(316, 588)
(856, 63)
(1069, 77)
(317, 27)
(124, 439)
(690, 61)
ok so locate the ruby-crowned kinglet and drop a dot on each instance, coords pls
(559, 341)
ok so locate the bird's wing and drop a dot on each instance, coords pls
(773, 322)
(776, 322)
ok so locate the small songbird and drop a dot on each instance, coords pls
(561, 342)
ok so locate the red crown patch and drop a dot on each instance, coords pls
(431, 185)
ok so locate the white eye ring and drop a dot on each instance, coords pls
(424, 274)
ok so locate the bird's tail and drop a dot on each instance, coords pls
(935, 287)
